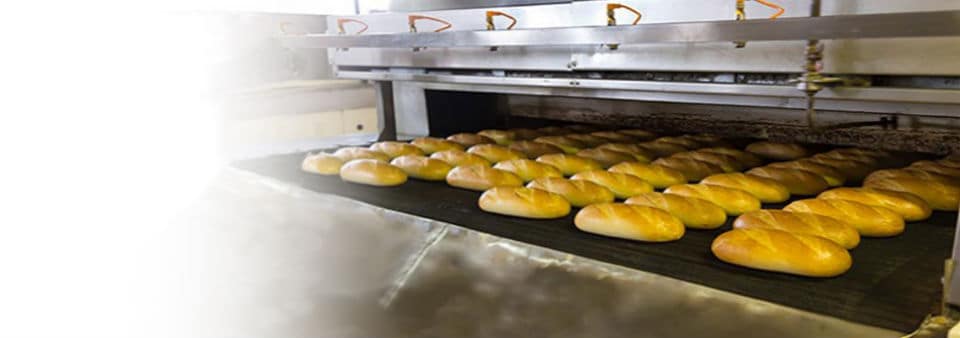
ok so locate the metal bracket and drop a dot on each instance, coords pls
(412, 22)
(492, 27)
(612, 19)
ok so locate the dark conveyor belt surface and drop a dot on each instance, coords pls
(893, 284)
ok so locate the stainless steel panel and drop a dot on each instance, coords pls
(410, 105)
(419, 5)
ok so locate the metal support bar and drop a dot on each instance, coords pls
(386, 116)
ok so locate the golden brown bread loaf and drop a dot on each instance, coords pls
(554, 131)
(693, 170)
(533, 149)
(523, 202)
(847, 156)
(801, 223)
(430, 145)
(469, 139)
(726, 162)
(875, 153)
(936, 168)
(579, 193)
(569, 146)
(853, 170)
(693, 212)
(733, 201)
(680, 141)
(372, 172)
(938, 195)
(495, 153)
(781, 251)
(764, 189)
(909, 206)
(606, 157)
(569, 164)
(587, 139)
(396, 149)
(911, 173)
(622, 185)
(481, 177)
(639, 134)
(348, 154)
(524, 134)
(659, 177)
(612, 136)
(502, 137)
(528, 170)
(458, 158)
(662, 149)
(422, 167)
(639, 154)
(830, 174)
(777, 151)
(321, 163)
(747, 160)
(798, 182)
(627, 221)
(870, 221)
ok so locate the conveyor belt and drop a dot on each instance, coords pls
(893, 284)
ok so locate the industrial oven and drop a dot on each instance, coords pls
(877, 74)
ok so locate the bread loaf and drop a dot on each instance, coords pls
(874, 153)
(686, 143)
(936, 168)
(524, 134)
(502, 137)
(495, 153)
(523, 202)
(798, 182)
(430, 145)
(709, 140)
(569, 164)
(622, 185)
(395, 149)
(639, 134)
(781, 251)
(606, 157)
(850, 156)
(458, 158)
(747, 160)
(870, 221)
(533, 149)
(554, 131)
(422, 167)
(764, 189)
(733, 201)
(587, 139)
(855, 171)
(348, 154)
(469, 139)
(372, 172)
(528, 170)
(612, 136)
(630, 222)
(569, 146)
(662, 149)
(639, 154)
(801, 223)
(579, 193)
(693, 170)
(832, 176)
(693, 212)
(659, 177)
(322, 163)
(726, 162)
(938, 195)
(777, 151)
(909, 206)
(481, 177)
(911, 173)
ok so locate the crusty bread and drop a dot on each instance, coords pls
(622, 185)
(911, 173)
(849, 155)
(909, 206)
(658, 176)
(470, 139)
(612, 136)
(524, 134)
(579, 193)
(798, 182)
(777, 151)
(372, 172)
(726, 162)
(528, 170)
(627, 221)
(733, 201)
(533, 149)
(587, 139)
(321, 163)
(801, 223)
(938, 195)
(936, 168)
(874, 153)
(870, 221)
(569, 145)
(747, 160)
(348, 154)
(554, 131)
(764, 189)
(523, 202)
(396, 149)
(606, 157)
(693, 212)
(495, 153)
(639, 153)
(693, 170)
(422, 167)
(853, 170)
(662, 149)
(685, 142)
(481, 177)
(458, 158)
(639, 134)
(570, 164)
(430, 145)
(830, 174)
(781, 251)
(502, 137)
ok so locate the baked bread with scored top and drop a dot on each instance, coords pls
(321, 163)
(523, 202)
(693, 170)
(807, 223)
(726, 162)
(764, 189)
(396, 149)
(747, 160)
(639, 153)
(693, 212)
(372, 172)
(528, 170)
(869, 220)
(533, 149)
(659, 177)
(936, 168)
(781, 251)
(568, 145)
(622, 185)
(422, 167)
(909, 206)
(502, 137)
(798, 182)
(470, 139)
(587, 139)
(606, 157)
(777, 151)
(481, 177)
(570, 164)
(627, 221)
(348, 154)
(938, 195)
(430, 145)
(495, 153)
(579, 193)
(911, 173)
(830, 174)
(458, 158)
(662, 149)
(733, 201)
(687, 143)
